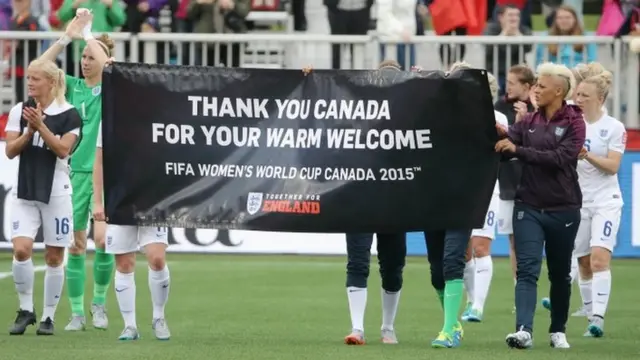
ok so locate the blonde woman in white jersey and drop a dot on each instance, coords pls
(602, 199)
(478, 270)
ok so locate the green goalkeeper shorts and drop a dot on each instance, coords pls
(82, 185)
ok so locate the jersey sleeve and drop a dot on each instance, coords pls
(99, 140)
(70, 82)
(13, 122)
(618, 141)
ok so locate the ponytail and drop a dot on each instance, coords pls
(60, 87)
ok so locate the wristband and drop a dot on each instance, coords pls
(86, 32)
(64, 40)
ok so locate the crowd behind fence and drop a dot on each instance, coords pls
(295, 51)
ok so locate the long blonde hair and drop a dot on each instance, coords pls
(53, 73)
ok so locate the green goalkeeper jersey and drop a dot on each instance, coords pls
(88, 101)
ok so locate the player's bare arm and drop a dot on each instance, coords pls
(72, 31)
(98, 206)
(60, 146)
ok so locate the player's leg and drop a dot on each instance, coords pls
(358, 260)
(561, 228)
(456, 243)
(434, 241)
(582, 261)
(103, 265)
(25, 222)
(505, 227)
(481, 242)
(606, 223)
(469, 280)
(154, 242)
(582, 254)
(76, 271)
(57, 226)
(529, 239)
(122, 241)
(392, 253)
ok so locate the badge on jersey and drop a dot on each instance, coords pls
(604, 132)
(560, 131)
(96, 90)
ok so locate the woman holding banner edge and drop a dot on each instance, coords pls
(85, 95)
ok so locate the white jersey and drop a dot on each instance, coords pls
(61, 180)
(502, 120)
(598, 188)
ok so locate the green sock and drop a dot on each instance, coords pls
(453, 292)
(441, 297)
(75, 283)
(102, 271)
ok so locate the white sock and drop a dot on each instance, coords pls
(53, 282)
(574, 269)
(469, 279)
(159, 287)
(601, 290)
(390, 302)
(585, 293)
(125, 286)
(23, 274)
(357, 305)
(482, 282)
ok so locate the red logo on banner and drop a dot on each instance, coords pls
(292, 206)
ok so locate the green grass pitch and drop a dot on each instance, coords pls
(295, 307)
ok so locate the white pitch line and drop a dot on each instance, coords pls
(5, 275)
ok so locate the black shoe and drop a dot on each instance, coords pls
(24, 319)
(46, 327)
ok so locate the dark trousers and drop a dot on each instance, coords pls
(392, 251)
(449, 54)
(446, 251)
(555, 232)
(347, 23)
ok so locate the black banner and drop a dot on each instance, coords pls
(274, 150)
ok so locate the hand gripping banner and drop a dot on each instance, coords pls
(275, 150)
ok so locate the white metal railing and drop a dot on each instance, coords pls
(355, 52)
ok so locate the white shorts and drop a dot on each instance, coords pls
(489, 228)
(505, 217)
(598, 228)
(126, 239)
(56, 219)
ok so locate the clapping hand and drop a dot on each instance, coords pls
(34, 117)
(502, 131)
(307, 70)
(583, 153)
(521, 110)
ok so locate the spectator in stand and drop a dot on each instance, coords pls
(456, 17)
(25, 50)
(107, 15)
(566, 23)
(41, 9)
(347, 17)
(142, 16)
(397, 19)
(5, 14)
(508, 24)
(523, 5)
(215, 17)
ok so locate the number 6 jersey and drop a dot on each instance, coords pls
(598, 188)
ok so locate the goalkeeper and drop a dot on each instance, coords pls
(86, 95)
